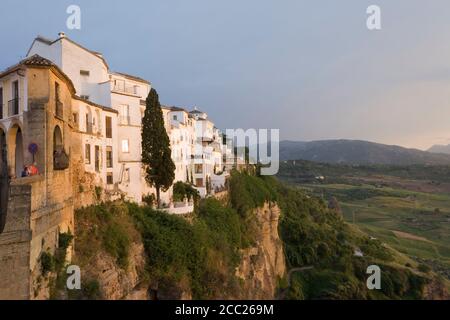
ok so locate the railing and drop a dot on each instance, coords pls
(59, 109)
(13, 107)
(125, 120)
(125, 89)
(1, 111)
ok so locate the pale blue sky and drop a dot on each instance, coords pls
(310, 68)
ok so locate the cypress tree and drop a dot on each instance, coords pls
(156, 152)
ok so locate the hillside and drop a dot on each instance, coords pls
(265, 241)
(358, 152)
(407, 207)
(440, 149)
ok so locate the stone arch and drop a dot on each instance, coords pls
(58, 144)
(60, 158)
(4, 179)
(15, 147)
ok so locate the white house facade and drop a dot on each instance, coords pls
(109, 111)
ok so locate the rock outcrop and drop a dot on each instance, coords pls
(263, 264)
(117, 283)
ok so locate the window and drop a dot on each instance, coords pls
(88, 124)
(57, 98)
(108, 121)
(87, 154)
(16, 89)
(175, 118)
(84, 97)
(126, 175)
(85, 73)
(14, 103)
(109, 178)
(198, 168)
(125, 114)
(199, 183)
(97, 158)
(109, 157)
(125, 146)
(75, 118)
(58, 104)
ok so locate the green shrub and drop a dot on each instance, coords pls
(47, 263)
(91, 290)
(98, 193)
(117, 243)
(149, 199)
(65, 239)
(183, 190)
(424, 268)
(203, 253)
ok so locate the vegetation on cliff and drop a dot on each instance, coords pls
(197, 257)
(314, 235)
(192, 259)
(317, 236)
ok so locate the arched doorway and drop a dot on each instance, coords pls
(57, 140)
(15, 151)
(60, 158)
(4, 180)
(19, 154)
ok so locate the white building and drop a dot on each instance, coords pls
(98, 128)
(122, 93)
(109, 113)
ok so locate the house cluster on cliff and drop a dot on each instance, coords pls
(104, 110)
(70, 135)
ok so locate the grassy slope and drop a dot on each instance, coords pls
(398, 210)
(401, 199)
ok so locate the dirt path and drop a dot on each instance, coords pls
(409, 236)
(282, 294)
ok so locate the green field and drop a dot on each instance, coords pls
(390, 208)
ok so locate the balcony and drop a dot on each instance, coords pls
(59, 110)
(125, 89)
(13, 107)
(125, 120)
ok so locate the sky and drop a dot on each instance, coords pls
(309, 68)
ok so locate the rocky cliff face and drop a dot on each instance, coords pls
(256, 276)
(263, 264)
(435, 290)
(117, 283)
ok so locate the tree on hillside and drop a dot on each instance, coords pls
(156, 152)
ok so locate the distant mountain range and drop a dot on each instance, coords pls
(358, 152)
(438, 148)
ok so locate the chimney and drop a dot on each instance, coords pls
(61, 35)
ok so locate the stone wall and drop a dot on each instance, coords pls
(39, 207)
(15, 246)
